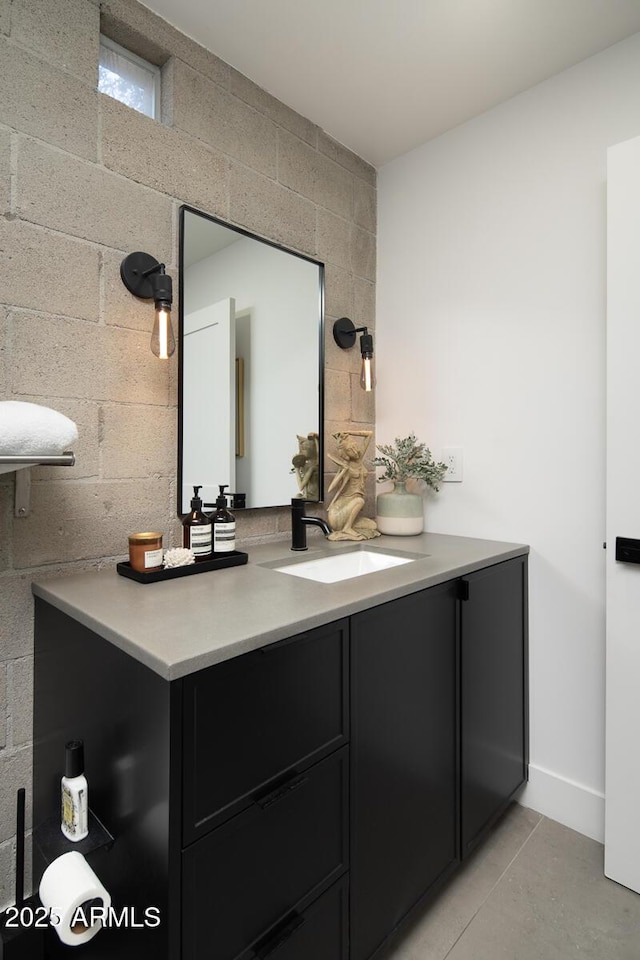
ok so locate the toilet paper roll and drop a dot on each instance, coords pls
(68, 884)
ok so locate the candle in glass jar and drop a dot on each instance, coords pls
(145, 552)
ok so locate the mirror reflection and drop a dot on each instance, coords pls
(251, 367)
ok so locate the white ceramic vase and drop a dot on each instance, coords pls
(399, 513)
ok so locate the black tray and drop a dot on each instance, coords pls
(235, 558)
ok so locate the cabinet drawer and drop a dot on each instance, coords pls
(251, 873)
(319, 933)
(254, 719)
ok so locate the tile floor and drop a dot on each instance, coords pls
(534, 891)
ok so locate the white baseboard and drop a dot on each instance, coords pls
(566, 801)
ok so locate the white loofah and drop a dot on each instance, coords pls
(178, 557)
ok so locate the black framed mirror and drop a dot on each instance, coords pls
(251, 340)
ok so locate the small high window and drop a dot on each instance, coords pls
(128, 78)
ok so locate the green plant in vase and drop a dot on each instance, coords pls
(400, 513)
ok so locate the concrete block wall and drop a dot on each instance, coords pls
(85, 180)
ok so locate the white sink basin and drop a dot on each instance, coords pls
(343, 566)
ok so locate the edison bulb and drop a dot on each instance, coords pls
(163, 343)
(367, 373)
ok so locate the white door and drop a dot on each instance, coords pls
(622, 791)
(209, 401)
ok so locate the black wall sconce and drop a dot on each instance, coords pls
(344, 334)
(144, 277)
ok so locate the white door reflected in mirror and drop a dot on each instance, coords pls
(209, 352)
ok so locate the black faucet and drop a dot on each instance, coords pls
(299, 523)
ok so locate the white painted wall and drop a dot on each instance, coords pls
(491, 336)
(622, 825)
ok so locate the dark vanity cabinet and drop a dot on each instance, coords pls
(300, 800)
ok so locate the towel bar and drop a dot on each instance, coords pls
(23, 477)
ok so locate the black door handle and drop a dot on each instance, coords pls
(627, 550)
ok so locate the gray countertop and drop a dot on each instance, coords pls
(179, 626)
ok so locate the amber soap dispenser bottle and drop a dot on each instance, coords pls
(196, 528)
(224, 525)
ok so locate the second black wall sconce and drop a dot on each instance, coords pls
(344, 334)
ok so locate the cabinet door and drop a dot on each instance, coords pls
(259, 718)
(493, 694)
(403, 739)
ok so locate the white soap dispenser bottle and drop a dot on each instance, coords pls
(75, 793)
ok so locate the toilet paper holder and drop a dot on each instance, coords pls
(19, 940)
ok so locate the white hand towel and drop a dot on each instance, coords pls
(28, 428)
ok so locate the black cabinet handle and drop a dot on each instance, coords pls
(281, 935)
(463, 589)
(280, 792)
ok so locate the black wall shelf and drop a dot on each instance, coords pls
(52, 843)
